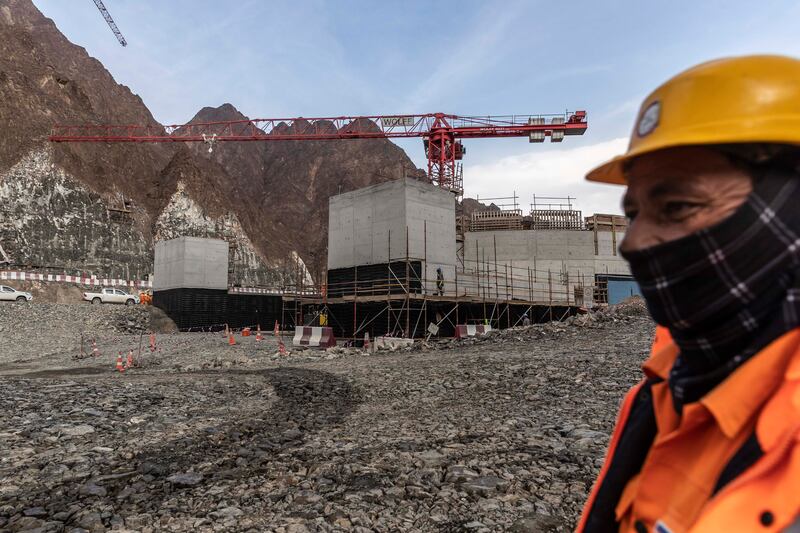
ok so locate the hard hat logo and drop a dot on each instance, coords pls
(649, 119)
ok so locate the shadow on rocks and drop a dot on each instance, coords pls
(239, 448)
(308, 401)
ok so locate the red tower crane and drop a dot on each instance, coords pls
(441, 133)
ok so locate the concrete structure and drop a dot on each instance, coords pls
(391, 221)
(541, 265)
(191, 263)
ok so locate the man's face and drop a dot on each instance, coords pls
(675, 192)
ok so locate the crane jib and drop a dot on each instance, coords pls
(440, 133)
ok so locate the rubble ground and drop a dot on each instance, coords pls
(502, 433)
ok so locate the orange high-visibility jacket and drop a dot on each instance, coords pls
(674, 492)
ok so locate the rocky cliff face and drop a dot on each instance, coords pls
(98, 208)
(50, 219)
(54, 222)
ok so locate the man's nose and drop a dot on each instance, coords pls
(641, 234)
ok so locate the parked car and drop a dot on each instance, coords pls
(13, 295)
(111, 296)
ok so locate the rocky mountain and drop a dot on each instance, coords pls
(284, 186)
(471, 205)
(98, 207)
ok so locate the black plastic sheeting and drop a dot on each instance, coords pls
(204, 309)
(374, 279)
(208, 309)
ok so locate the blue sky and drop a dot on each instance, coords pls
(312, 58)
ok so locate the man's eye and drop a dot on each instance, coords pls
(679, 208)
(631, 215)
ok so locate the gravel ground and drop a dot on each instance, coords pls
(504, 433)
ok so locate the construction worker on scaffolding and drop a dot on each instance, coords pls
(709, 440)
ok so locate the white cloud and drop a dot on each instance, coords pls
(552, 172)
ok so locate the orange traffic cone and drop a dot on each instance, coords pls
(95, 351)
(277, 330)
(120, 367)
(231, 340)
(246, 332)
(227, 331)
(258, 333)
(366, 341)
(152, 342)
(129, 362)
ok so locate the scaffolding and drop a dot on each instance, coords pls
(606, 223)
(503, 215)
(505, 202)
(491, 220)
(398, 298)
(555, 213)
(121, 212)
(601, 222)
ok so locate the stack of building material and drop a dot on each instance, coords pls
(493, 219)
(556, 219)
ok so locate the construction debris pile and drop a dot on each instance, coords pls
(630, 310)
(503, 434)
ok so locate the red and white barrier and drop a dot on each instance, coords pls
(314, 336)
(262, 290)
(472, 330)
(14, 275)
(91, 280)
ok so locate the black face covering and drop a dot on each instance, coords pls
(727, 291)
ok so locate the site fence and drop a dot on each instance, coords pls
(82, 279)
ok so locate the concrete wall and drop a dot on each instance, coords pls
(369, 225)
(608, 260)
(191, 263)
(543, 265)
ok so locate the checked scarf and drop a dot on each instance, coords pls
(727, 291)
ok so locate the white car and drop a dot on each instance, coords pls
(13, 295)
(111, 296)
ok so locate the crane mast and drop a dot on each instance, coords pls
(110, 21)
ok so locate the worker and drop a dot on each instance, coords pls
(709, 440)
(525, 320)
(439, 281)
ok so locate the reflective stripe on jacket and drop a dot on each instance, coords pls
(760, 399)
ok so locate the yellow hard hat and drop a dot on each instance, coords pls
(752, 99)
